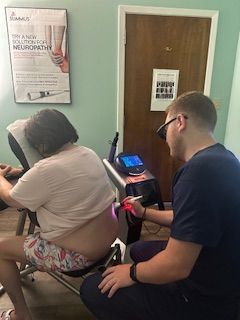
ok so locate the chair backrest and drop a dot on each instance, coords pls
(17, 150)
(26, 154)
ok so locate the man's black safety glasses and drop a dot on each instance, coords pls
(162, 130)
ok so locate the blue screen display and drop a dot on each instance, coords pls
(132, 161)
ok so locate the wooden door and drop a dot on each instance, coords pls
(161, 42)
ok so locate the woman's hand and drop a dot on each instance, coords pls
(115, 278)
(6, 169)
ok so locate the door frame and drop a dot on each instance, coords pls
(122, 12)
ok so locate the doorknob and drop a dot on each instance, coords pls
(168, 49)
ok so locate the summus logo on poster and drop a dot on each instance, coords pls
(13, 17)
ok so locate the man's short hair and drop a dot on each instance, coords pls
(196, 106)
(50, 128)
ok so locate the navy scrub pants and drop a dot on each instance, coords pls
(152, 302)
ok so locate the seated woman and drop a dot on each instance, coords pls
(72, 196)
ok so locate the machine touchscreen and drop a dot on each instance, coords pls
(132, 161)
(130, 164)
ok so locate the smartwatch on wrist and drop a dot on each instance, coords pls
(133, 272)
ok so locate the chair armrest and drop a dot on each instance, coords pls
(113, 252)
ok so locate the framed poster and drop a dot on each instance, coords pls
(38, 45)
(164, 88)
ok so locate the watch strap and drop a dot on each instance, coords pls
(133, 272)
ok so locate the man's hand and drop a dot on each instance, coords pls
(134, 207)
(115, 278)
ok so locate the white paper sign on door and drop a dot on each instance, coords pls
(164, 88)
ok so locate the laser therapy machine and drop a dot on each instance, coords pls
(130, 176)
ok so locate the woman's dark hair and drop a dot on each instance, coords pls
(51, 129)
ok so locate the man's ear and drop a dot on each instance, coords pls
(181, 122)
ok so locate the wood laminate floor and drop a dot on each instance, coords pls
(47, 298)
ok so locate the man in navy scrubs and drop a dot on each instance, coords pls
(196, 273)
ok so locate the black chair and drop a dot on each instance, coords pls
(113, 257)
